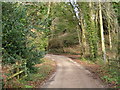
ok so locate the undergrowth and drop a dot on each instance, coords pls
(109, 75)
(33, 80)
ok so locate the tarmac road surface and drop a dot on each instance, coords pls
(70, 74)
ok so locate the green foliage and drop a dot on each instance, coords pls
(22, 25)
(112, 76)
(63, 28)
(34, 79)
(28, 86)
(13, 31)
(116, 7)
(91, 29)
(28, 30)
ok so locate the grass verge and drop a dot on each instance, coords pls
(34, 80)
(110, 77)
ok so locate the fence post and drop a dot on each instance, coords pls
(17, 69)
(25, 67)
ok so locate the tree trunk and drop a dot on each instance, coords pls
(93, 34)
(109, 32)
(78, 33)
(83, 36)
(110, 42)
(48, 14)
(102, 33)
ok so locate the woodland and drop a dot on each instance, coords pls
(89, 29)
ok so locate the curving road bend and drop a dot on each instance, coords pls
(70, 74)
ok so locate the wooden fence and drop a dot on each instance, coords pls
(18, 70)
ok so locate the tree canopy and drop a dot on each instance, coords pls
(31, 29)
